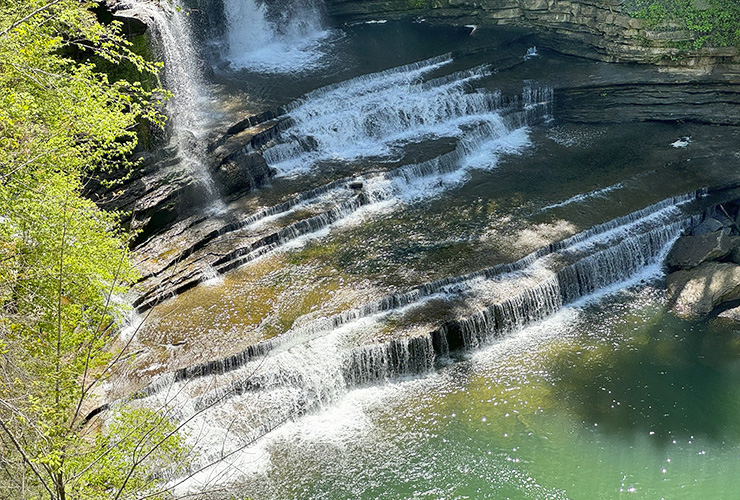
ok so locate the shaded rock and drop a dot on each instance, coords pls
(690, 251)
(133, 24)
(695, 292)
(598, 29)
(708, 226)
(735, 249)
(653, 98)
(241, 172)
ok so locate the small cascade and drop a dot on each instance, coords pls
(480, 144)
(378, 362)
(573, 282)
(188, 110)
(579, 198)
(275, 36)
(370, 116)
(315, 365)
(560, 273)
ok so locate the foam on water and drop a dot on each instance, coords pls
(349, 418)
(275, 37)
(579, 198)
(371, 116)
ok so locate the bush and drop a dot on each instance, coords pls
(714, 23)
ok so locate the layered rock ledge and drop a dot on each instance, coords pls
(598, 29)
(706, 267)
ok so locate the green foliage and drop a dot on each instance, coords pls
(65, 114)
(713, 23)
(139, 448)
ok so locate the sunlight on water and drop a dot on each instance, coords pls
(426, 301)
(593, 403)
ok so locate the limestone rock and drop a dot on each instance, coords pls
(690, 251)
(241, 172)
(731, 314)
(708, 226)
(600, 29)
(695, 292)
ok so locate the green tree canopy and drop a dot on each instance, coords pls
(63, 261)
(712, 22)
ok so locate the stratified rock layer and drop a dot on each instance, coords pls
(697, 291)
(598, 29)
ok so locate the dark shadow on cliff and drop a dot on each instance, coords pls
(673, 378)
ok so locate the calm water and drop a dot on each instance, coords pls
(613, 397)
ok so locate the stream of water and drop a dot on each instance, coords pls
(446, 291)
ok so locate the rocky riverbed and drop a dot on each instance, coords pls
(706, 266)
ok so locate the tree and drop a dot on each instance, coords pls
(64, 262)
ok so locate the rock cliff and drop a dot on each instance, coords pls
(599, 29)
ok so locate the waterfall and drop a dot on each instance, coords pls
(543, 281)
(274, 36)
(479, 146)
(188, 110)
(313, 366)
(370, 116)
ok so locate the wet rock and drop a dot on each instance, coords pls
(657, 97)
(690, 251)
(356, 185)
(710, 225)
(241, 172)
(696, 292)
(735, 249)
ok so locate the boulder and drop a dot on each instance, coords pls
(695, 292)
(690, 251)
(133, 23)
(241, 172)
(731, 314)
(710, 225)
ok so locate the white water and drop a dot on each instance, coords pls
(290, 379)
(531, 52)
(189, 110)
(579, 198)
(275, 37)
(317, 364)
(374, 115)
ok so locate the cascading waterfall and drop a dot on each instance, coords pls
(189, 110)
(627, 244)
(368, 159)
(274, 37)
(314, 365)
(370, 116)
(374, 115)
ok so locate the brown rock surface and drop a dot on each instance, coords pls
(690, 251)
(695, 292)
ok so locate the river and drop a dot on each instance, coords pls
(447, 290)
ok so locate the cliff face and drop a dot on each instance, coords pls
(598, 29)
